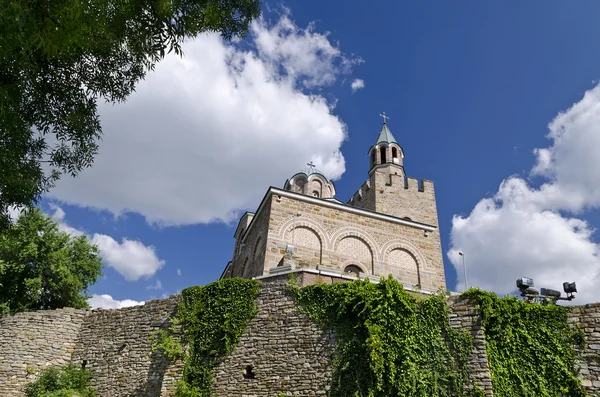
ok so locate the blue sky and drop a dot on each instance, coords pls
(470, 87)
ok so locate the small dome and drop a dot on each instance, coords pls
(311, 182)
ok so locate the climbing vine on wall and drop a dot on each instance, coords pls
(389, 343)
(530, 347)
(209, 323)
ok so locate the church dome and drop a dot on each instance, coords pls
(311, 182)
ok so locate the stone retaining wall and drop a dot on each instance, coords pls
(30, 342)
(587, 318)
(464, 315)
(116, 346)
(281, 352)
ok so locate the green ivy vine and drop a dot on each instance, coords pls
(389, 343)
(209, 323)
(530, 347)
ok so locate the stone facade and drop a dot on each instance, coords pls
(330, 235)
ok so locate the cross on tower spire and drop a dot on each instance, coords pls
(385, 117)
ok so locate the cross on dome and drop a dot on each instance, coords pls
(385, 117)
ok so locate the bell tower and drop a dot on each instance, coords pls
(386, 152)
(389, 190)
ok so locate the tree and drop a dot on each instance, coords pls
(59, 57)
(42, 267)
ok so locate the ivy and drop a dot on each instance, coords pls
(389, 343)
(209, 323)
(530, 347)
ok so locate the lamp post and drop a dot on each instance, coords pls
(464, 269)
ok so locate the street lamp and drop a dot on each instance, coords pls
(464, 269)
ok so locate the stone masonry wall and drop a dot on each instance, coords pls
(30, 342)
(249, 262)
(116, 346)
(283, 349)
(587, 318)
(332, 226)
(464, 315)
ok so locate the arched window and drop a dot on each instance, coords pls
(315, 193)
(394, 153)
(353, 270)
(372, 158)
(382, 153)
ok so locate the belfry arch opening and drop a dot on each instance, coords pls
(382, 153)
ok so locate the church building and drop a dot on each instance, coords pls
(389, 227)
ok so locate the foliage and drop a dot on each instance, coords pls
(61, 382)
(389, 343)
(44, 268)
(59, 57)
(208, 325)
(530, 347)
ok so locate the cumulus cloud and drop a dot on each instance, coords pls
(538, 232)
(59, 216)
(131, 258)
(204, 135)
(107, 302)
(357, 84)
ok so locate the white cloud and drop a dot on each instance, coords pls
(527, 231)
(131, 258)
(107, 302)
(178, 271)
(156, 286)
(357, 84)
(14, 213)
(59, 216)
(204, 136)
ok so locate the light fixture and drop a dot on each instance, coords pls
(524, 282)
(570, 289)
(551, 293)
(525, 285)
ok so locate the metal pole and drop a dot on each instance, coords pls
(464, 269)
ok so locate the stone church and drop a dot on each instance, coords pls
(389, 227)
